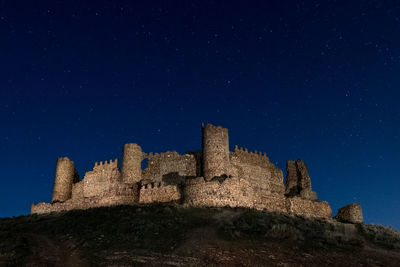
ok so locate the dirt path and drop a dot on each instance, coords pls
(49, 252)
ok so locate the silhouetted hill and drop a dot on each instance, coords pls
(173, 235)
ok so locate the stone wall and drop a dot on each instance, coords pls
(256, 168)
(169, 167)
(99, 181)
(231, 192)
(270, 202)
(234, 192)
(84, 203)
(308, 208)
(77, 190)
(351, 213)
(119, 194)
(215, 151)
(159, 193)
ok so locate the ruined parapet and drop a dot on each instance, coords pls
(215, 144)
(169, 165)
(351, 213)
(64, 178)
(131, 163)
(298, 181)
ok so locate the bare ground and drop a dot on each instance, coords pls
(47, 251)
(203, 248)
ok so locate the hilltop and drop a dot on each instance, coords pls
(178, 235)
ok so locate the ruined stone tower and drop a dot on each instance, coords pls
(64, 178)
(291, 178)
(131, 163)
(298, 181)
(215, 142)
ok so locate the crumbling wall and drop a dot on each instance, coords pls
(84, 203)
(270, 202)
(215, 143)
(291, 178)
(64, 178)
(101, 179)
(231, 192)
(159, 193)
(298, 181)
(119, 194)
(308, 208)
(351, 213)
(169, 167)
(256, 168)
(77, 190)
(234, 192)
(132, 163)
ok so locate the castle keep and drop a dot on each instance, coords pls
(212, 177)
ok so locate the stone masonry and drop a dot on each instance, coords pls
(64, 178)
(131, 164)
(215, 151)
(298, 181)
(213, 177)
(351, 213)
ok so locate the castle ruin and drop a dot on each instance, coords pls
(212, 177)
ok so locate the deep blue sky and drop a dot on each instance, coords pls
(316, 80)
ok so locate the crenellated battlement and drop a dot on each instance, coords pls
(159, 193)
(151, 185)
(250, 157)
(108, 164)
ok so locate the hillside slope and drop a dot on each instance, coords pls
(172, 235)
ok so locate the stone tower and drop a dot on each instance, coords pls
(298, 181)
(215, 144)
(291, 178)
(351, 213)
(64, 178)
(131, 163)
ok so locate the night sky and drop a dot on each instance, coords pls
(316, 80)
